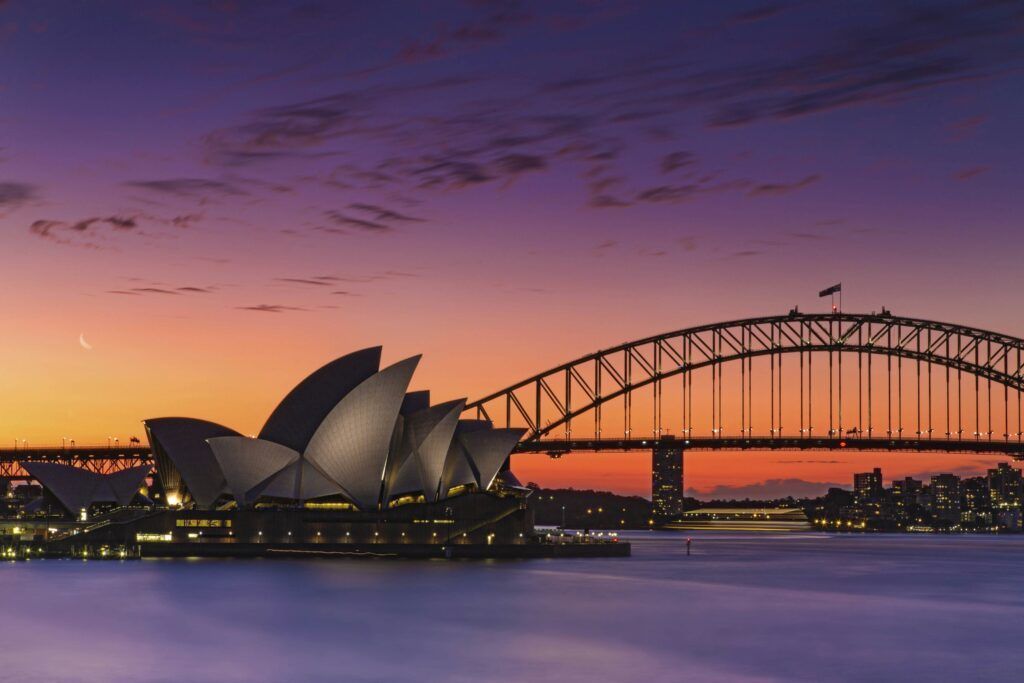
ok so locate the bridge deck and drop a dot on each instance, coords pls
(101, 452)
(730, 443)
(1012, 448)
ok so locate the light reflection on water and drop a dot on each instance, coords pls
(742, 608)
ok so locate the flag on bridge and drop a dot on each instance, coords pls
(834, 289)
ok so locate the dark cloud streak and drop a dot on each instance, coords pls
(270, 308)
(192, 188)
(776, 189)
(13, 195)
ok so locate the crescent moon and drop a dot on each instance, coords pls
(81, 340)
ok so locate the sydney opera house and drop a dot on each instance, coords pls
(349, 433)
(350, 458)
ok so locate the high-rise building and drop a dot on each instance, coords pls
(867, 486)
(975, 506)
(667, 482)
(1005, 486)
(904, 494)
(946, 497)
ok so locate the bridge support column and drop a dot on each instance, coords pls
(667, 482)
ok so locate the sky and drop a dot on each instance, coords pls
(201, 202)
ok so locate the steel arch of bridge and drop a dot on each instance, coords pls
(553, 399)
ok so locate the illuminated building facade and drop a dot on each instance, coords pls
(904, 494)
(1005, 486)
(667, 482)
(975, 502)
(945, 497)
(867, 486)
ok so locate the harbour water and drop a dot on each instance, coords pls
(804, 607)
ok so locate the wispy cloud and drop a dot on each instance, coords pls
(965, 128)
(381, 213)
(970, 172)
(194, 188)
(676, 160)
(304, 281)
(13, 195)
(162, 291)
(88, 232)
(607, 201)
(270, 308)
(688, 243)
(373, 219)
(776, 189)
(891, 54)
(156, 290)
(360, 224)
(674, 194)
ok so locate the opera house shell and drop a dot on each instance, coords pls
(77, 489)
(350, 433)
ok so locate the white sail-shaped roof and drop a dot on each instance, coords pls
(77, 489)
(413, 430)
(300, 481)
(428, 434)
(181, 442)
(317, 485)
(301, 412)
(458, 468)
(488, 450)
(415, 401)
(352, 443)
(348, 429)
(284, 484)
(408, 479)
(72, 486)
(247, 463)
(126, 483)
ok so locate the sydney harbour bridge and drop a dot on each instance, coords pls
(800, 381)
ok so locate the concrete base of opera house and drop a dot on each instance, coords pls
(473, 525)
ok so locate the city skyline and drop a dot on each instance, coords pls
(221, 195)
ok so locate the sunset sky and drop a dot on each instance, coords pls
(201, 202)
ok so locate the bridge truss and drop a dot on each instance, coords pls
(866, 380)
(101, 459)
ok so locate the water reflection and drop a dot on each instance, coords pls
(741, 608)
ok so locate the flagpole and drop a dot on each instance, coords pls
(831, 293)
